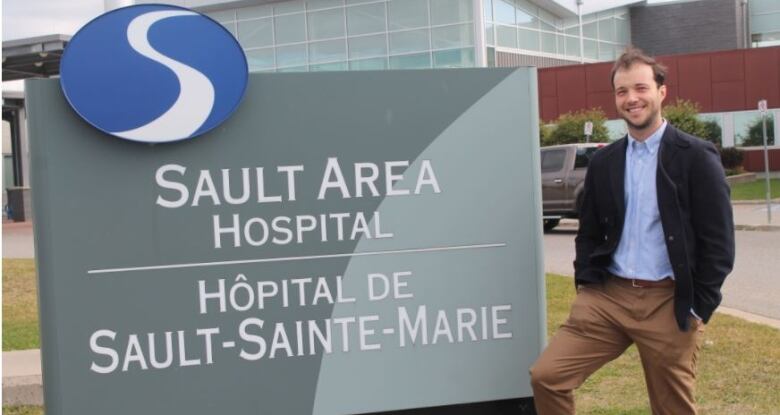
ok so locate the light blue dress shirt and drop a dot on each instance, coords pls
(641, 253)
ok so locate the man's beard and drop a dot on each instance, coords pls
(653, 115)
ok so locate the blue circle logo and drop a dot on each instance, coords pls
(153, 73)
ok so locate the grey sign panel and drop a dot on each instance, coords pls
(345, 243)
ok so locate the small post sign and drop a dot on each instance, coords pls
(345, 243)
(588, 130)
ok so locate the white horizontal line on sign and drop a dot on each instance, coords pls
(293, 258)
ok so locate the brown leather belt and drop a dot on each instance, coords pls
(635, 283)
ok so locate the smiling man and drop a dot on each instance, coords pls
(655, 243)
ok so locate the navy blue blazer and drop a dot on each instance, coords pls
(696, 216)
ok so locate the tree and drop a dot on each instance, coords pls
(685, 116)
(755, 135)
(569, 127)
(714, 133)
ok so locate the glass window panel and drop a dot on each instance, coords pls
(256, 33)
(327, 51)
(323, 4)
(748, 129)
(490, 36)
(607, 29)
(590, 30)
(415, 61)
(409, 41)
(336, 66)
(527, 6)
(222, 16)
(549, 43)
(231, 27)
(547, 20)
(367, 46)
(572, 46)
(369, 18)
(606, 52)
(458, 58)
(450, 11)
(259, 59)
(623, 31)
(360, 1)
(765, 23)
(561, 40)
(294, 55)
(504, 12)
(255, 12)
(616, 129)
(290, 28)
(368, 64)
(763, 6)
(407, 14)
(452, 36)
(573, 31)
(487, 6)
(491, 57)
(288, 7)
(591, 49)
(545, 26)
(528, 39)
(326, 24)
(506, 37)
(527, 20)
(303, 68)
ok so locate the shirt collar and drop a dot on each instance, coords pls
(653, 142)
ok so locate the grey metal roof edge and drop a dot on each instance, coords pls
(36, 40)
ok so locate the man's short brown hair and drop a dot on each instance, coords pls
(633, 55)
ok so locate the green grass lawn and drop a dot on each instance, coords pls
(20, 305)
(738, 366)
(755, 190)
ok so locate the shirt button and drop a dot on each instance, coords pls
(671, 238)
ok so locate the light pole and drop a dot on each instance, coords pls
(582, 43)
(762, 106)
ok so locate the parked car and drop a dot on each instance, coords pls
(563, 179)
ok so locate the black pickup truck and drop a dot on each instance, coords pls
(563, 178)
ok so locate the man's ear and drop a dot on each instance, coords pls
(662, 91)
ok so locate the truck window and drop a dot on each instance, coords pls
(583, 156)
(552, 160)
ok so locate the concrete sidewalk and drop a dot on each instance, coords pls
(22, 383)
(22, 369)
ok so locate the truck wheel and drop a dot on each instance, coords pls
(549, 224)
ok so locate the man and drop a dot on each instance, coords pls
(656, 241)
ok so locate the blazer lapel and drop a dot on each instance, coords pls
(617, 172)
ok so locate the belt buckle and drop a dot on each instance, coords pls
(634, 284)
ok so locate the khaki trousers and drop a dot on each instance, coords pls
(605, 319)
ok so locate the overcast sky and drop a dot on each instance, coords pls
(27, 18)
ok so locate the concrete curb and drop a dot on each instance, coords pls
(23, 390)
(761, 228)
(755, 202)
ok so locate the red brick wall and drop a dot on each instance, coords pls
(753, 160)
(732, 80)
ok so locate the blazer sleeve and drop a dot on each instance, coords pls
(713, 225)
(589, 234)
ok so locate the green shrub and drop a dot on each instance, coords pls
(685, 116)
(569, 127)
(731, 158)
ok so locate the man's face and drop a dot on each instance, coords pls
(637, 97)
